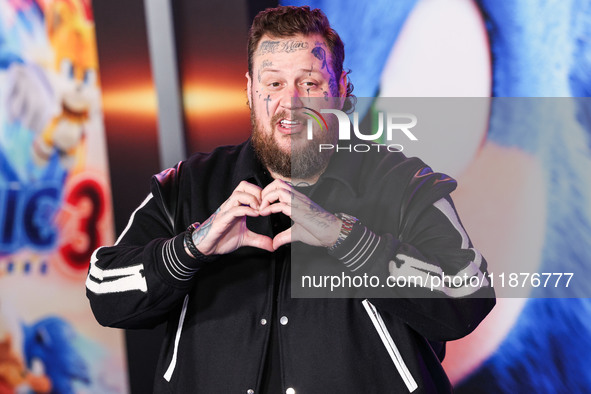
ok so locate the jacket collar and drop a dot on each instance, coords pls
(248, 167)
(345, 168)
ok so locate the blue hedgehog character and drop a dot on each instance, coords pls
(539, 51)
(50, 341)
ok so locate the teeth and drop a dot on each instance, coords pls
(288, 122)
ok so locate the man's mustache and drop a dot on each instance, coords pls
(291, 115)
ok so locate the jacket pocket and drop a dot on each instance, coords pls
(390, 346)
(177, 338)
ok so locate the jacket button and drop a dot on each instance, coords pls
(263, 322)
(283, 320)
(250, 391)
(290, 391)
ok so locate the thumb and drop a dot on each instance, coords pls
(282, 238)
(258, 241)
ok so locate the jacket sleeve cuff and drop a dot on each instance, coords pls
(175, 265)
(358, 248)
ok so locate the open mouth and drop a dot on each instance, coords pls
(290, 126)
(73, 112)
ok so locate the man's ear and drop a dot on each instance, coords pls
(343, 84)
(343, 88)
(248, 88)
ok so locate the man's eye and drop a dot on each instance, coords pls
(274, 84)
(310, 84)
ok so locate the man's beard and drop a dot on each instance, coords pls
(304, 161)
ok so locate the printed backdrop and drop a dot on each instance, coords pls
(55, 207)
(524, 184)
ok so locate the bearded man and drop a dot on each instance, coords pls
(209, 250)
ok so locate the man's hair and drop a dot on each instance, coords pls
(288, 21)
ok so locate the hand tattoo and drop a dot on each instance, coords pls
(199, 234)
(319, 216)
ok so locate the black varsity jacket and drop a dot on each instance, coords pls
(218, 312)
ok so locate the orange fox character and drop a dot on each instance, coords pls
(13, 373)
(71, 35)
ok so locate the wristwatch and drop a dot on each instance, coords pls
(348, 223)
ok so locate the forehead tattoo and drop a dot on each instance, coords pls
(287, 46)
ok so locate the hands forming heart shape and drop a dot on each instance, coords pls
(225, 230)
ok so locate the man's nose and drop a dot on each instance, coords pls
(291, 97)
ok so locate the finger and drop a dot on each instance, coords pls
(238, 212)
(243, 198)
(258, 241)
(248, 187)
(283, 238)
(279, 207)
(277, 184)
(281, 191)
(282, 195)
